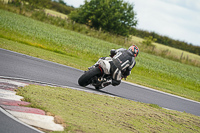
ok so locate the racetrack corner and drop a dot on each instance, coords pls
(12, 103)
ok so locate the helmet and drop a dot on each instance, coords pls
(134, 49)
(112, 52)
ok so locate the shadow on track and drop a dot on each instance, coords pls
(101, 91)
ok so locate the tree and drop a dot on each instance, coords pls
(115, 16)
(62, 2)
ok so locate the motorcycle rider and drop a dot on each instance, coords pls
(122, 61)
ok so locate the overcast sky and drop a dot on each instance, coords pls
(177, 19)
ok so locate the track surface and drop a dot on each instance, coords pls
(22, 66)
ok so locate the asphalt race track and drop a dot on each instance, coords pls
(21, 66)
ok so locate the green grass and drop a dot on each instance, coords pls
(28, 36)
(87, 112)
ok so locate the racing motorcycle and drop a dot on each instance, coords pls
(97, 75)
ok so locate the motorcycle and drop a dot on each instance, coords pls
(97, 75)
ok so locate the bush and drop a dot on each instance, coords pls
(149, 40)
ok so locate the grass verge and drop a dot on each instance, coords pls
(88, 112)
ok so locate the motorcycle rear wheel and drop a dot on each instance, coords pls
(85, 79)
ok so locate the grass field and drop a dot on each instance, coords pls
(19, 33)
(54, 13)
(170, 51)
(87, 112)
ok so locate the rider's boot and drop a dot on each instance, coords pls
(105, 84)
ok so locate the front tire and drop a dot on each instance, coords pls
(85, 79)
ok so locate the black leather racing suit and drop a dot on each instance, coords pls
(121, 65)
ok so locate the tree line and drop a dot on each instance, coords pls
(167, 41)
(57, 5)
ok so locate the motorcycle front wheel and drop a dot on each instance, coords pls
(85, 79)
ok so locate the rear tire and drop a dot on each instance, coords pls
(85, 79)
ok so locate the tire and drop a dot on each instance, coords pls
(84, 80)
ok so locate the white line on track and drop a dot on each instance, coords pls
(55, 85)
(13, 82)
(147, 88)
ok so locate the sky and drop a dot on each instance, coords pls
(177, 19)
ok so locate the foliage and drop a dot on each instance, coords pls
(61, 2)
(149, 40)
(115, 16)
(61, 7)
(37, 3)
